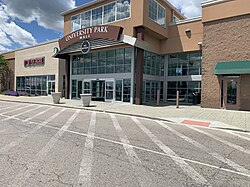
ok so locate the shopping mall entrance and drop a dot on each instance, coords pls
(108, 90)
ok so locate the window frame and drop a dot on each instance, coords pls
(158, 4)
(102, 6)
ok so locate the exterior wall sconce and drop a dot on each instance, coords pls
(200, 45)
(188, 31)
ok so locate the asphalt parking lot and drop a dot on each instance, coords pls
(55, 146)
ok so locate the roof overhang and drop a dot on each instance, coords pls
(232, 68)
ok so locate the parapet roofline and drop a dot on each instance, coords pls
(189, 20)
(81, 7)
(40, 44)
(97, 1)
(213, 2)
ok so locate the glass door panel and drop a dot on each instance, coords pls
(98, 90)
(86, 87)
(79, 88)
(118, 90)
(232, 92)
(109, 90)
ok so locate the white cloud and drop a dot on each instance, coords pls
(45, 12)
(10, 33)
(190, 8)
(4, 39)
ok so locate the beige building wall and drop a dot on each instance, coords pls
(224, 9)
(181, 41)
(51, 66)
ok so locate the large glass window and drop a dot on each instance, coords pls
(76, 22)
(36, 85)
(187, 90)
(107, 13)
(104, 62)
(184, 64)
(153, 64)
(86, 19)
(97, 16)
(156, 12)
(123, 9)
(150, 88)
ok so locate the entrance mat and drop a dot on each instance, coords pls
(198, 123)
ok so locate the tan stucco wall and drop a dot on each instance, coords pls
(51, 66)
(179, 41)
(224, 40)
(225, 9)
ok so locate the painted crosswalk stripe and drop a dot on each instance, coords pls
(234, 165)
(21, 177)
(86, 163)
(38, 114)
(10, 107)
(177, 159)
(240, 136)
(32, 131)
(132, 156)
(237, 147)
(19, 114)
(16, 109)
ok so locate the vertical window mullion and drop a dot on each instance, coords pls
(115, 10)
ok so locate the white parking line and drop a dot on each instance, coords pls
(234, 165)
(239, 148)
(132, 156)
(177, 159)
(242, 137)
(21, 177)
(19, 114)
(32, 131)
(9, 107)
(38, 114)
(148, 150)
(86, 163)
(16, 109)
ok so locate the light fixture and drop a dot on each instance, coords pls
(188, 31)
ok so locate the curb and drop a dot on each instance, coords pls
(89, 109)
(119, 113)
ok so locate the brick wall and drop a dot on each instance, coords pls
(224, 40)
(245, 92)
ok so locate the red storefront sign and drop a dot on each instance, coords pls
(34, 62)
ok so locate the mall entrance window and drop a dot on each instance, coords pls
(103, 90)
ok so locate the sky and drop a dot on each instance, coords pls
(29, 22)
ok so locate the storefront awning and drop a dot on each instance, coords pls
(236, 67)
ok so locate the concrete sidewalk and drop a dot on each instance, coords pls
(194, 115)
